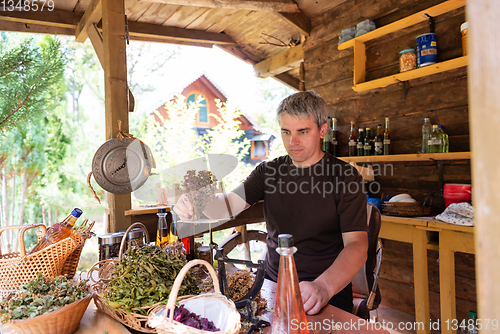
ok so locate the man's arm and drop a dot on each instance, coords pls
(317, 293)
(217, 209)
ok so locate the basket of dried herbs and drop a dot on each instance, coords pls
(141, 280)
(46, 305)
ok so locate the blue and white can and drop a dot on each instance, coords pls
(426, 50)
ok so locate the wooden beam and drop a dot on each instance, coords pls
(55, 18)
(92, 15)
(288, 80)
(297, 20)
(35, 28)
(144, 30)
(484, 107)
(116, 95)
(280, 63)
(287, 6)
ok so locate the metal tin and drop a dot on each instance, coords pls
(426, 49)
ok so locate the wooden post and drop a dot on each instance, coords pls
(484, 111)
(302, 77)
(116, 94)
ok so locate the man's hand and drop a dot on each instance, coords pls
(184, 208)
(314, 296)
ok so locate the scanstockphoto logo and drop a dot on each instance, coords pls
(193, 179)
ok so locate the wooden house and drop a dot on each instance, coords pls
(296, 42)
(205, 91)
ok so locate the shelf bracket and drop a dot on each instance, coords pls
(405, 86)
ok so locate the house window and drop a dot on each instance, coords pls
(259, 150)
(202, 115)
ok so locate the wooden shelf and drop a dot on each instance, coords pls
(358, 43)
(145, 210)
(413, 74)
(405, 23)
(410, 157)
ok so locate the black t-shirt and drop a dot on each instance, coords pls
(315, 204)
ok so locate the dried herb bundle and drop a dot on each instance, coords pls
(200, 189)
(40, 296)
(144, 277)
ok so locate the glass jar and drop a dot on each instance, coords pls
(407, 60)
(463, 28)
(109, 245)
(135, 237)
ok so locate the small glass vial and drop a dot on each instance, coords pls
(407, 60)
(288, 310)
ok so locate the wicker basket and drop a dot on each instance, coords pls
(61, 321)
(104, 269)
(19, 268)
(402, 209)
(167, 325)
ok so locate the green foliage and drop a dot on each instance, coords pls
(27, 74)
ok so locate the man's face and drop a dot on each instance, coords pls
(301, 138)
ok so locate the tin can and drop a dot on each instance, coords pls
(426, 50)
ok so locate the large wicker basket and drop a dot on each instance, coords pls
(104, 270)
(19, 268)
(61, 321)
(217, 301)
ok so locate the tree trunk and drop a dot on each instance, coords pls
(23, 198)
(5, 209)
(50, 217)
(44, 219)
(11, 217)
(56, 215)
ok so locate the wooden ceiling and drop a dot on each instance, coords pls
(266, 33)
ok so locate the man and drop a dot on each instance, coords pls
(311, 195)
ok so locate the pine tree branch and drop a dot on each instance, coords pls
(15, 68)
(25, 99)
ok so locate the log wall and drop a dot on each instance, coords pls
(442, 97)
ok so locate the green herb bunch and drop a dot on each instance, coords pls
(200, 189)
(40, 296)
(144, 277)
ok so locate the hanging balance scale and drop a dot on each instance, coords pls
(121, 165)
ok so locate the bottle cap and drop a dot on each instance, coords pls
(387, 119)
(379, 125)
(76, 212)
(427, 119)
(328, 117)
(435, 126)
(464, 26)
(472, 314)
(162, 210)
(368, 129)
(285, 240)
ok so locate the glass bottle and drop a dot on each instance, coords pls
(333, 147)
(472, 323)
(379, 140)
(426, 133)
(163, 229)
(352, 141)
(288, 311)
(327, 140)
(368, 144)
(359, 146)
(446, 142)
(435, 140)
(387, 138)
(58, 231)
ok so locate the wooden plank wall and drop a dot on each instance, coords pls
(442, 97)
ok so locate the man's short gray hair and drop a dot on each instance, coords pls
(304, 105)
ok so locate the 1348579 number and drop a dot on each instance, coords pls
(26, 5)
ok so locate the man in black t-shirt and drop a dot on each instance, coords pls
(312, 195)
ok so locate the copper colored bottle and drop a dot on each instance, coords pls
(289, 315)
(58, 231)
